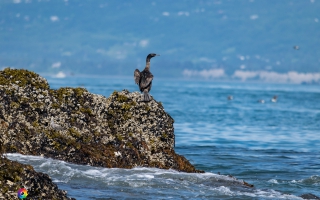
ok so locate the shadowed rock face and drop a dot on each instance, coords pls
(309, 196)
(14, 176)
(119, 131)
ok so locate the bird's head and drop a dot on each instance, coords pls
(151, 55)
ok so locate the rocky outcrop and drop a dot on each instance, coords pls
(14, 176)
(309, 196)
(74, 125)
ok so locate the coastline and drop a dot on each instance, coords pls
(115, 132)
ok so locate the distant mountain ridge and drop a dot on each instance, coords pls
(112, 38)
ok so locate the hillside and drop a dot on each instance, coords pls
(95, 37)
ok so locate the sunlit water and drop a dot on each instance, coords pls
(274, 146)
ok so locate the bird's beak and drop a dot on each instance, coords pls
(158, 55)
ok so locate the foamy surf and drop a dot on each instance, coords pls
(83, 182)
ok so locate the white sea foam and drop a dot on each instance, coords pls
(223, 190)
(93, 173)
(275, 77)
(146, 176)
(173, 183)
(211, 73)
(271, 194)
(312, 180)
(274, 181)
(265, 76)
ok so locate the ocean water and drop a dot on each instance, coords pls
(275, 146)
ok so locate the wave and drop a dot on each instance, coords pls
(143, 182)
(265, 76)
(312, 180)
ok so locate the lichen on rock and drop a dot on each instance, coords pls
(118, 131)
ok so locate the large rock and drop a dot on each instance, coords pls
(119, 131)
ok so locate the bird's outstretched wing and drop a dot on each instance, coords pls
(136, 76)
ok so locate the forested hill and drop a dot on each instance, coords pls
(113, 37)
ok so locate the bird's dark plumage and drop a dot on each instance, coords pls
(144, 78)
(296, 47)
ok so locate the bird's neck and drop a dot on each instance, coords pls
(147, 65)
(148, 59)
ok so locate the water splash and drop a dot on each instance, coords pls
(80, 181)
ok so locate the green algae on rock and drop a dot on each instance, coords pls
(22, 78)
(119, 131)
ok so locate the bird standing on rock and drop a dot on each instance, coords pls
(144, 78)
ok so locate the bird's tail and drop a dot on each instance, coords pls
(146, 96)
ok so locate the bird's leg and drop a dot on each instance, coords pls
(146, 95)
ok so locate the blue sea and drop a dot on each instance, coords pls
(274, 146)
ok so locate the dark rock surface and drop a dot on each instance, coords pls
(119, 131)
(309, 196)
(14, 176)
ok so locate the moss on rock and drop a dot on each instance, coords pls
(22, 78)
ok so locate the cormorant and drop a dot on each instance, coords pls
(144, 78)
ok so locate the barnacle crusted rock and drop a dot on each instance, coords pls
(118, 131)
(14, 176)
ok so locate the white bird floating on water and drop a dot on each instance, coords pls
(274, 99)
(56, 127)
